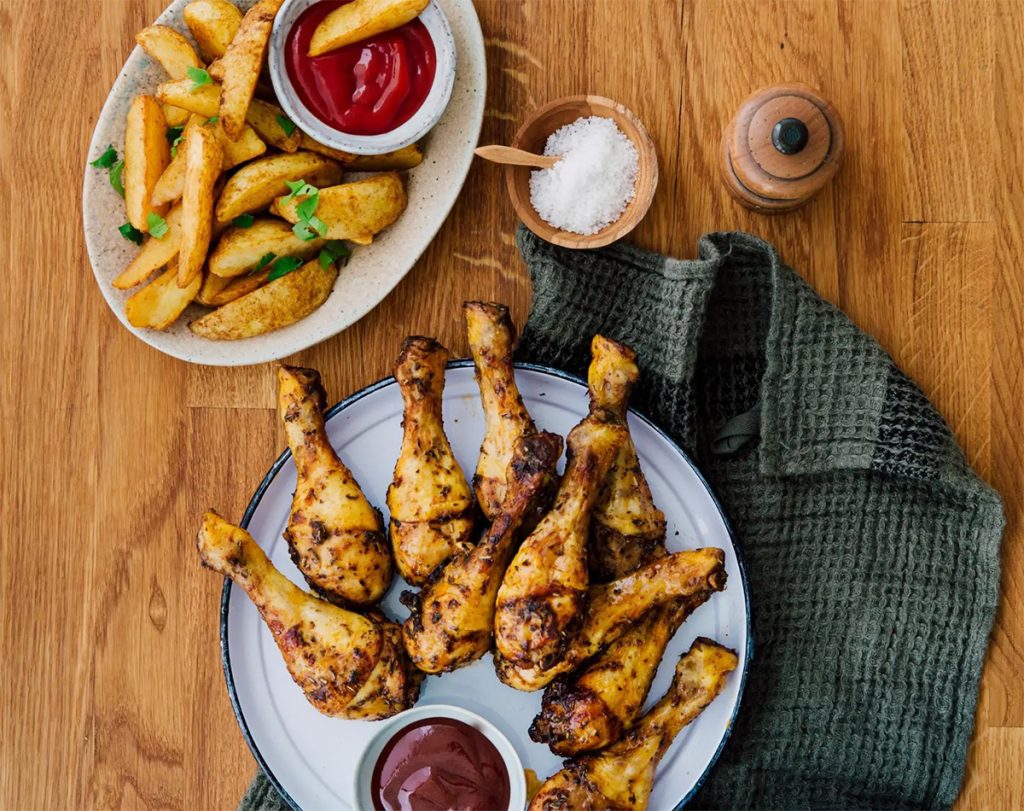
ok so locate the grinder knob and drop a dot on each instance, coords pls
(783, 145)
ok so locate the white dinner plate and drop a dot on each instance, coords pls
(371, 273)
(310, 758)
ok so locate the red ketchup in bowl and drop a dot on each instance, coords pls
(440, 764)
(366, 88)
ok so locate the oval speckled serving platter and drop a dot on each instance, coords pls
(372, 272)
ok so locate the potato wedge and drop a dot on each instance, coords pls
(168, 187)
(174, 53)
(154, 255)
(159, 303)
(242, 62)
(212, 286)
(203, 100)
(405, 158)
(175, 116)
(239, 250)
(254, 186)
(236, 288)
(203, 161)
(354, 211)
(263, 116)
(273, 306)
(216, 70)
(361, 19)
(146, 155)
(214, 24)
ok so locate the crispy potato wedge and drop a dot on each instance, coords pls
(243, 285)
(354, 211)
(405, 158)
(239, 250)
(273, 306)
(247, 146)
(254, 186)
(216, 70)
(159, 303)
(212, 286)
(204, 100)
(361, 19)
(146, 155)
(174, 53)
(155, 253)
(214, 24)
(263, 116)
(203, 161)
(242, 62)
(175, 116)
(250, 145)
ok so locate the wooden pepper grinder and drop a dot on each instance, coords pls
(783, 145)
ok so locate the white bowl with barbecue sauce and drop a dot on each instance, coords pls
(440, 756)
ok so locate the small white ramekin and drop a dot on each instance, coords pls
(414, 129)
(388, 729)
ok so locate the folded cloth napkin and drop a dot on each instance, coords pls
(871, 548)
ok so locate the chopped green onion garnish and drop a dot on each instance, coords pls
(198, 76)
(306, 208)
(115, 177)
(286, 124)
(131, 233)
(244, 221)
(106, 160)
(284, 265)
(156, 225)
(299, 188)
(334, 250)
(174, 134)
(213, 119)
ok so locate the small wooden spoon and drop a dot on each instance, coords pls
(510, 156)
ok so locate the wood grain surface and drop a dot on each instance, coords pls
(112, 692)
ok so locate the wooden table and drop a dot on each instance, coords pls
(112, 692)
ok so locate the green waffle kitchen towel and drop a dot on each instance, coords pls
(871, 548)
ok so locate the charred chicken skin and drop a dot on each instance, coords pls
(429, 499)
(541, 599)
(613, 608)
(452, 618)
(492, 339)
(334, 535)
(347, 665)
(622, 776)
(626, 527)
(591, 708)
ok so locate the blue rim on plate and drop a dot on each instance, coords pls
(257, 497)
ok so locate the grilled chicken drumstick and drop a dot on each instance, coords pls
(622, 776)
(492, 338)
(591, 707)
(627, 526)
(541, 599)
(452, 619)
(348, 665)
(335, 536)
(613, 608)
(429, 499)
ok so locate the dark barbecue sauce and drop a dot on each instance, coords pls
(366, 88)
(440, 764)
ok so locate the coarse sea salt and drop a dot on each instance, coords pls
(590, 187)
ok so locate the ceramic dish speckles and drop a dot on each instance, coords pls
(372, 272)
